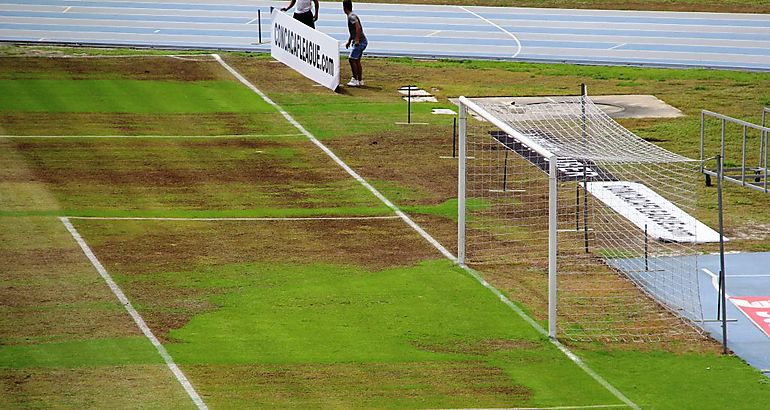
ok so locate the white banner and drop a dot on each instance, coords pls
(644, 207)
(310, 52)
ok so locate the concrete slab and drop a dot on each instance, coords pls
(616, 106)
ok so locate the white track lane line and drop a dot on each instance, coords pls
(320, 218)
(135, 315)
(518, 43)
(575, 359)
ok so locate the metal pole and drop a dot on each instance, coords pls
(743, 158)
(454, 137)
(585, 206)
(722, 150)
(722, 284)
(577, 207)
(409, 104)
(552, 246)
(259, 23)
(766, 156)
(702, 135)
(646, 240)
(505, 170)
(461, 189)
(583, 96)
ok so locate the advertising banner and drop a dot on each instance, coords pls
(310, 52)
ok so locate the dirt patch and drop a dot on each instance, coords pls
(364, 385)
(139, 247)
(135, 68)
(146, 386)
(32, 123)
(134, 248)
(481, 347)
(189, 173)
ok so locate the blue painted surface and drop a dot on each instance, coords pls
(748, 274)
(144, 24)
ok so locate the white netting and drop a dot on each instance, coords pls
(619, 279)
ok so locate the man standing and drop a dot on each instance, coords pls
(303, 12)
(358, 39)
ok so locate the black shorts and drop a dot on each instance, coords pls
(306, 18)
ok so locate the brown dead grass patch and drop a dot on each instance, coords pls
(365, 385)
(32, 123)
(481, 347)
(131, 248)
(136, 68)
(141, 386)
(48, 289)
(139, 247)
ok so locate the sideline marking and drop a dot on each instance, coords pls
(154, 136)
(135, 315)
(433, 33)
(252, 20)
(617, 46)
(595, 406)
(320, 218)
(575, 359)
(518, 43)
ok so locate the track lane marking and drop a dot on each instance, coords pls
(518, 43)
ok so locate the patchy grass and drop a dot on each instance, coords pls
(182, 178)
(310, 318)
(313, 313)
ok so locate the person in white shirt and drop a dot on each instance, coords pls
(303, 12)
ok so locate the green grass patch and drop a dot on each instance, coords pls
(446, 209)
(128, 96)
(710, 381)
(93, 352)
(290, 315)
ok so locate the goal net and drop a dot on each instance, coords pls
(575, 215)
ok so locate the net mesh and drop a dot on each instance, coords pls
(616, 281)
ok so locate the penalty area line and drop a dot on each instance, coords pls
(436, 244)
(289, 218)
(135, 315)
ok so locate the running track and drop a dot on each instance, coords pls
(736, 41)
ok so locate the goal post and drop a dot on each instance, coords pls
(465, 105)
(580, 218)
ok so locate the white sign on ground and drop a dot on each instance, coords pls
(644, 207)
(310, 52)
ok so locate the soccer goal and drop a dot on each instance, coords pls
(576, 215)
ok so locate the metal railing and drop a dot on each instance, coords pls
(754, 177)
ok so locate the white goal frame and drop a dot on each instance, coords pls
(465, 104)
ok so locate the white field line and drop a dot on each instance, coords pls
(320, 218)
(67, 9)
(518, 43)
(617, 46)
(596, 406)
(135, 315)
(156, 136)
(433, 33)
(428, 237)
(253, 20)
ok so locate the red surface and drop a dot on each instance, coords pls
(756, 308)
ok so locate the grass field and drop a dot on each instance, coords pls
(339, 313)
